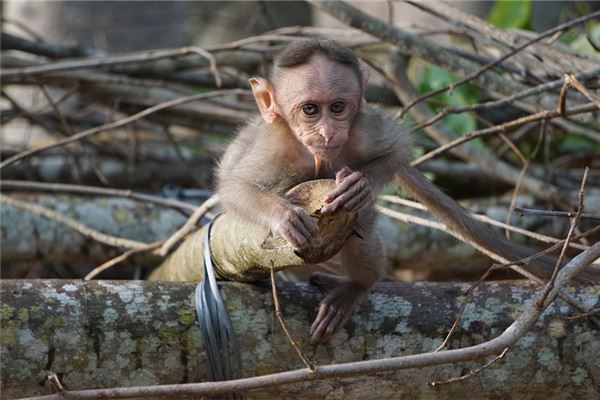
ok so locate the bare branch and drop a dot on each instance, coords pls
(487, 220)
(97, 191)
(120, 123)
(114, 261)
(547, 213)
(548, 114)
(189, 225)
(309, 365)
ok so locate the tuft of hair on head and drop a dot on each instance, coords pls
(301, 52)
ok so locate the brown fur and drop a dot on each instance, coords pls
(266, 160)
(361, 147)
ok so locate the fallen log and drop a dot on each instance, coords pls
(30, 237)
(104, 334)
(152, 175)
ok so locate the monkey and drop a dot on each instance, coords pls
(314, 123)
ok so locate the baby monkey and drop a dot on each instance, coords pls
(314, 123)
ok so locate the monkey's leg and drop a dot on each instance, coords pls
(364, 261)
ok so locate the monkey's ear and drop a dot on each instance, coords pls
(264, 95)
(365, 77)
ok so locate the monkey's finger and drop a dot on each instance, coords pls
(297, 227)
(320, 325)
(342, 174)
(293, 238)
(324, 309)
(343, 186)
(334, 325)
(310, 224)
(318, 318)
(358, 202)
(341, 201)
(301, 230)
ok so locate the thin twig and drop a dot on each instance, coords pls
(562, 97)
(583, 315)
(464, 304)
(114, 261)
(86, 231)
(113, 61)
(504, 100)
(548, 114)
(520, 177)
(546, 213)
(574, 83)
(189, 225)
(472, 372)
(94, 190)
(279, 316)
(121, 122)
(574, 223)
(487, 220)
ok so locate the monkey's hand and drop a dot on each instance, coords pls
(296, 225)
(352, 192)
(343, 297)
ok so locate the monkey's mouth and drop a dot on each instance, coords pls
(326, 152)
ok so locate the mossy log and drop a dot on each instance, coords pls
(246, 252)
(103, 334)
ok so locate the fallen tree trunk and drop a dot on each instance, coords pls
(30, 237)
(80, 170)
(416, 252)
(103, 334)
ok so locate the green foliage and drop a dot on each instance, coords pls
(511, 14)
(572, 142)
(202, 89)
(581, 42)
(434, 77)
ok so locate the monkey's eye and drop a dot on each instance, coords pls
(337, 107)
(310, 109)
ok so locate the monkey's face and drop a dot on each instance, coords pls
(319, 101)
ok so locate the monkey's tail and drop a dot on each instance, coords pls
(460, 221)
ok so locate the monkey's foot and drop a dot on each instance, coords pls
(342, 298)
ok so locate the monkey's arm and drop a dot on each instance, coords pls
(264, 207)
(248, 179)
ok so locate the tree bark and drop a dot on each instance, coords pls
(29, 237)
(106, 333)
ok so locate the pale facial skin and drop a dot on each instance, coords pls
(319, 101)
